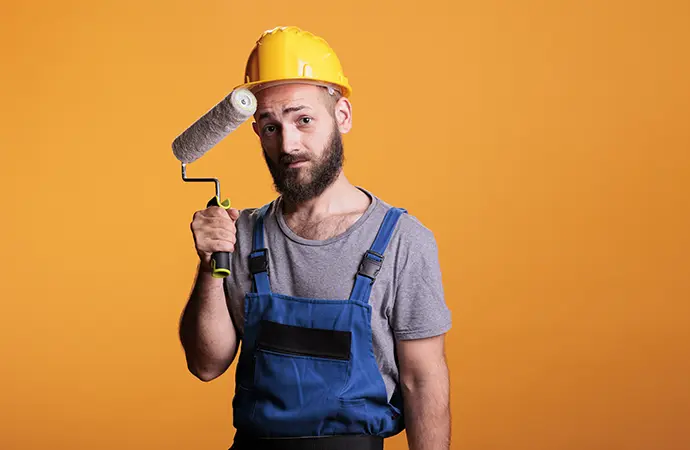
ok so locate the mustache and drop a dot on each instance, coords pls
(290, 158)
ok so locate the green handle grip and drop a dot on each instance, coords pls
(220, 261)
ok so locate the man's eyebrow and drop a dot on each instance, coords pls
(294, 109)
(291, 109)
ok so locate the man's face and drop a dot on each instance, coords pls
(301, 139)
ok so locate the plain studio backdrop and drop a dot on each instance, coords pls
(546, 144)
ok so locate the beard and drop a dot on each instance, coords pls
(300, 184)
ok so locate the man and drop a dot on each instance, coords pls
(335, 295)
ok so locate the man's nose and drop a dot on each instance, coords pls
(289, 139)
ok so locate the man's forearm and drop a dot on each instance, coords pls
(206, 329)
(427, 412)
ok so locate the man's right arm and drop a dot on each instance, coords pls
(206, 329)
(207, 332)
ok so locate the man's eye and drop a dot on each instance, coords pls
(305, 120)
(268, 129)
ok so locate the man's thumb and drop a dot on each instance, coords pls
(234, 213)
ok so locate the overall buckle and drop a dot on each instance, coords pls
(258, 261)
(370, 267)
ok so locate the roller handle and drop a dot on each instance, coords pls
(220, 261)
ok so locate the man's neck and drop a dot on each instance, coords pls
(340, 198)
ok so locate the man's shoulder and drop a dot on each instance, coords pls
(249, 215)
(410, 228)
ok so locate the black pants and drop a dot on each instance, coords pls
(308, 443)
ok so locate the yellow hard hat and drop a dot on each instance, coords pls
(286, 54)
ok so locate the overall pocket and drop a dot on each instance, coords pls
(299, 368)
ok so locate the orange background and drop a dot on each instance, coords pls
(547, 144)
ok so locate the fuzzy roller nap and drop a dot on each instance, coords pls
(204, 134)
(214, 126)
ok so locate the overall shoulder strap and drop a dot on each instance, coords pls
(258, 258)
(373, 258)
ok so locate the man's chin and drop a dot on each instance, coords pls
(298, 178)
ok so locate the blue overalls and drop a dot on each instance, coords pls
(306, 366)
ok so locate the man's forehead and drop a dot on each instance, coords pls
(284, 99)
(288, 92)
(282, 102)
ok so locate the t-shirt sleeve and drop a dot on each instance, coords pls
(419, 309)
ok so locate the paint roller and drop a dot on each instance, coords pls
(204, 134)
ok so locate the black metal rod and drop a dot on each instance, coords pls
(203, 180)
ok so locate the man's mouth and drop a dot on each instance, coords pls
(298, 163)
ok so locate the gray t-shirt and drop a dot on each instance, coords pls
(407, 298)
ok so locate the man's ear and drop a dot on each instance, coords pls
(343, 115)
(255, 127)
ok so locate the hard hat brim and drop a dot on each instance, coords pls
(257, 86)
